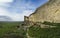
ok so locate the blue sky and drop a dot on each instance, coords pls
(17, 9)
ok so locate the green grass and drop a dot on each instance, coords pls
(37, 32)
(10, 30)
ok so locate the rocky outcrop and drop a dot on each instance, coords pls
(47, 12)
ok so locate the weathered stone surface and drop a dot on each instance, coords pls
(47, 12)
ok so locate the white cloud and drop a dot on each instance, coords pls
(15, 16)
(20, 16)
(26, 8)
(3, 11)
(27, 12)
(4, 1)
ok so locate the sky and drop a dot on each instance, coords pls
(17, 9)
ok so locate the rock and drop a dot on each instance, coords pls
(50, 11)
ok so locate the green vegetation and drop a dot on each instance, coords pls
(52, 24)
(11, 30)
(17, 30)
(37, 32)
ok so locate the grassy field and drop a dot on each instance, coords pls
(37, 32)
(15, 30)
(11, 30)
